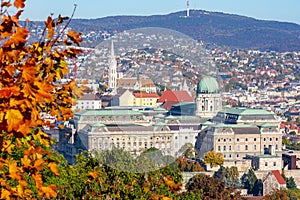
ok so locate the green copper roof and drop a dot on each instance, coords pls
(97, 125)
(184, 103)
(159, 116)
(207, 123)
(246, 111)
(170, 117)
(160, 124)
(160, 109)
(208, 84)
(268, 125)
(221, 125)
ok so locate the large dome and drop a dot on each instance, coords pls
(208, 84)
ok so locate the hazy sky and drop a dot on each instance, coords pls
(280, 10)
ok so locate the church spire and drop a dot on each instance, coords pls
(112, 71)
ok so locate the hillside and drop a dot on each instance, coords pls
(211, 27)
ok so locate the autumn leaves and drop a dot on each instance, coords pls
(28, 86)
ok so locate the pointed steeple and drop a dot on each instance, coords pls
(185, 86)
(112, 71)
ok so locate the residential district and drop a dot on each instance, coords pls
(248, 110)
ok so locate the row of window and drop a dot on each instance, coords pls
(246, 139)
(246, 147)
(134, 138)
(134, 145)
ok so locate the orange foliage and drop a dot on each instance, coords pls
(28, 86)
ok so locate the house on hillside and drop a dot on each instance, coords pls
(273, 181)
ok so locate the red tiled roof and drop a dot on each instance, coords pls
(87, 97)
(278, 176)
(168, 104)
(176, 96)
(145, 95)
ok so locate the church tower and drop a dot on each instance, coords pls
(112, 71)
(208, 97)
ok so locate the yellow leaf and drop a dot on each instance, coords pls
(1, 116)
(26, 161)
(93, 174)
(20, 188)
(28, 73)
(49, 191)
(38, 180)
(53, 168)
(28, 90)
(146, 189)
(25, 128)
(14, 118)
(38, 164)
(5, 194)
(75, 37)
(20, 36)
(13, 171)
(7, 146)
(50, 27)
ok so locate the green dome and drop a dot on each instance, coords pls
(208, 84)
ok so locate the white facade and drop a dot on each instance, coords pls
(208, 104)
(88, 102)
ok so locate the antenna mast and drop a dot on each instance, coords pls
(187, 8)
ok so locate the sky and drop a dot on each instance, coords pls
(279, 10)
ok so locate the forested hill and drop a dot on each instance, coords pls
(211, 27)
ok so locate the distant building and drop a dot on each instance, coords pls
(145, 99)
(126, 97)
(123, 98)
(239, 132)
(208, 97)
(130, 130)
(88, 102)
(273, 181)
(135, 84)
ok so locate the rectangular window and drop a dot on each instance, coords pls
(274, 164)
(246, 147)
(219, 148)
(224, 148)
(255, 147)
(266, 164)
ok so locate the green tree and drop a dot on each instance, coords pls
(290, 182)
(92, 178)
(229, 175)
(188, 151)
(298, 121)
(248, 180)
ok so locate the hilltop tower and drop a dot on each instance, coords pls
(187, 8)
(112, 71)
